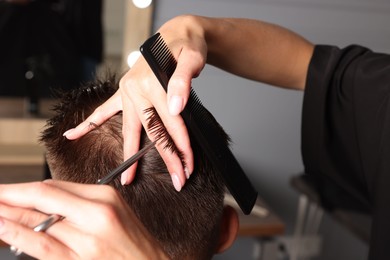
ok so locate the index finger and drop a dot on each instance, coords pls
(46, 198)
(101, 114)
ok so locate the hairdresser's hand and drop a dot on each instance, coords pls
(98, 224)
(139, 90)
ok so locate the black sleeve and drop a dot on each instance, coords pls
(346, 126)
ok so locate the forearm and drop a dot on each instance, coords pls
(257, 50)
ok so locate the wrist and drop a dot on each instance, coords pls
(184, 27)
(205, 29)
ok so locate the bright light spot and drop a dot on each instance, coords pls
(29, 74)
(142, 3)
(132, 58)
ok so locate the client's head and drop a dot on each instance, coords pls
(190, 224)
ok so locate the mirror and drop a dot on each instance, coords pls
(126, 27)
(58, 44)
(37, 54)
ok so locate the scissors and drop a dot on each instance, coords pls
(52, 219)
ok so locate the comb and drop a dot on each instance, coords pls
(199, 123)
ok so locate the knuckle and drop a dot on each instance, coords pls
(124, 82)
(179, 81)
(146, 85)
(195, 54)
(93, 244)
(192, 50)
(44, 245)
(106, 214)
(107, 211)
(141, 84)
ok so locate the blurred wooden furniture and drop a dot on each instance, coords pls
(263, 224)
(319, 196)
(21, 155)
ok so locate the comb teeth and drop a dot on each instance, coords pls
(157, 52)
(202, 126)
(163, 56)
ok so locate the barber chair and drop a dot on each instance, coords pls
(318, 194)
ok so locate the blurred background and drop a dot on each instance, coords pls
(263, 122)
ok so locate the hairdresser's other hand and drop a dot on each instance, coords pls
(98, 224)
(139, 90)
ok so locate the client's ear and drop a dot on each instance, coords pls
(229, 229)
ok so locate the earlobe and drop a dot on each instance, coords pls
(229, 229)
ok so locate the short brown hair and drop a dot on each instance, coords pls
(185, 223)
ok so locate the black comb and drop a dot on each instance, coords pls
(199, 122)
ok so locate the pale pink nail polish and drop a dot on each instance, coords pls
(175, 105)
(68, 132)
(124, 178)
(176, 182)
(187, 173)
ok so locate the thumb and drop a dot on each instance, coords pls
(189, 65)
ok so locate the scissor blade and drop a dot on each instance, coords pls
(126, 164)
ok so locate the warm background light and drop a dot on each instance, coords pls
(132, 58)
(137, 28)
(142, 3)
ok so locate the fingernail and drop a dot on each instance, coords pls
(175, 105)
(68, 132)
(187, 173)
(124, 178)
(1, 222)
(176, 182)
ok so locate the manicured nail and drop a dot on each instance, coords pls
(176, 182)
(124, 178)
(175, 105)
(68, 132)
(187, 172)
